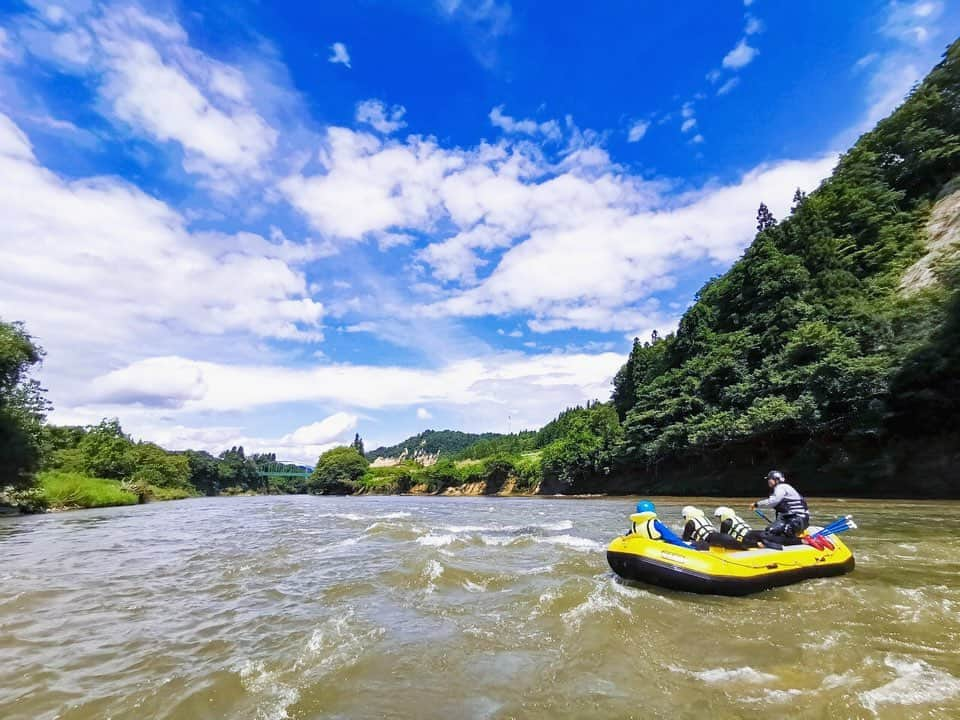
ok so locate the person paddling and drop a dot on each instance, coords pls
(793, 516)
(646, 524)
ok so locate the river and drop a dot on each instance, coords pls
(413, 607)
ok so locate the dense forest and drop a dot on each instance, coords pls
(832, 347)
(445, 442)
(831, 350)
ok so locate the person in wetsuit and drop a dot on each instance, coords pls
(646, 524)
(793, 516)
(703, 534)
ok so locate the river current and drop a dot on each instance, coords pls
(414, 607)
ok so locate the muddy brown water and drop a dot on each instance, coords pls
(411, 607)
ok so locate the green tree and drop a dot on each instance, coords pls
(105, 451)
(337, 471)
(357, 443)
(23, 407)
(765, 218)
(204, 472)
(165, 469)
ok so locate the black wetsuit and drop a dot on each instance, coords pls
(704, 535)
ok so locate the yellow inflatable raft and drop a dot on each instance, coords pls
(718, 571)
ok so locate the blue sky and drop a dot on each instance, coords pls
(278, 224)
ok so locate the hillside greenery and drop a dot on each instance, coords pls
(808, 353)
(446, 442)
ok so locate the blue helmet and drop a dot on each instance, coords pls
(646, 506)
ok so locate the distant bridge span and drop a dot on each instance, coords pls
(284, 469)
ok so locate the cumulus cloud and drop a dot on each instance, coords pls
(688, 125)
(741, 56)
(97, 266)
(482, 390)
(339, 54)
(423, 414)
(590, 271)
(549, 129)
(379, 117)
(637, 131)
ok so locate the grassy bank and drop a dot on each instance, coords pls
(71, 490)
(75, 490)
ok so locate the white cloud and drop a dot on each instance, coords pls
(638, 130)
(754, 25)
(913, 26)
(324, 431)
(423, 414)
(303, 445)
(866, 60)
(740, 56)
(149, 77)
(714, 75)
(339, 54)
(688, 124)
(480, 388)
(549, 129)
(100, 270)
(590, 271)
(376, 114)
(912, 22)
(368, 186)
(697, 139)
(687, 110)
(728, 86)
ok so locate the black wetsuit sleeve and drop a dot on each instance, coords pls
(688, 531)
(725, 526)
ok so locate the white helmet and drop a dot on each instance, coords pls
(690, 511)
(724, 513)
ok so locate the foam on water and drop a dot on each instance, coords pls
(600, 600)
(916, 683)
(432, 540)
(431, 572)
(273, 696)
(573, 542)
(744, 674)
(337, 643)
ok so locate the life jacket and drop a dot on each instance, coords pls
(701, 528)
(792, 503)
(643, 525)
(735, 527)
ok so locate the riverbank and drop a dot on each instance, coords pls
(58, 490)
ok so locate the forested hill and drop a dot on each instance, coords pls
(445, 442)
(832, 347)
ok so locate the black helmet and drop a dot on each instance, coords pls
(776, 476)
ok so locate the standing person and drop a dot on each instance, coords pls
(646, 524)
(793, 516)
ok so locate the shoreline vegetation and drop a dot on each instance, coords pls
(830, 350)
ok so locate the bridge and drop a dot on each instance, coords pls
(283, 469)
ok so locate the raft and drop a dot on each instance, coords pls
(719, 571)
